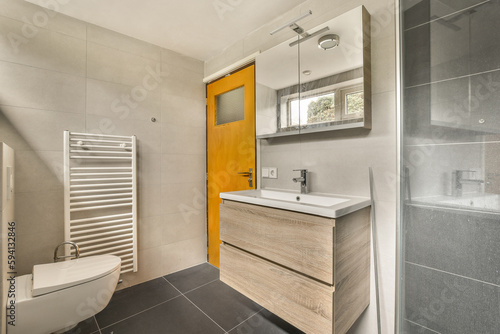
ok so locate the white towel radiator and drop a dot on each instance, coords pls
(100, 195)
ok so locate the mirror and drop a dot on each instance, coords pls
(302, 88)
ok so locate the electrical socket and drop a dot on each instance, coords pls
(273, 172)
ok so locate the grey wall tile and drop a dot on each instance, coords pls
(450, 304)
(182, 168)
(48, 49)
(185, 111)
(484, 44)
(43, 129)
(454, 241)
(109, 64)
(177, 60)
(106, 37)
(421, 11)
(30, 87)
(120, 101)
(178, 139)
(37, 16)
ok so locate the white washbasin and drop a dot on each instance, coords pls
(326, 205)
(320, 200)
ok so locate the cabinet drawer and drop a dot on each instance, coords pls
(297, 241)
(305, 303)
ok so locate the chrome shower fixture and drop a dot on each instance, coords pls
(328, 42)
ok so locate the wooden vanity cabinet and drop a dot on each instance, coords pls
(312, 271)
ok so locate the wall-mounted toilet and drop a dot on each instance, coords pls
(57, 296)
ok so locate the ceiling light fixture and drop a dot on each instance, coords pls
(328, 42)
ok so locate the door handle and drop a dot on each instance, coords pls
(250, 176)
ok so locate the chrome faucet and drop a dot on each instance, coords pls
(458, 180)
(302, 179)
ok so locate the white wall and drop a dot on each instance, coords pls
(57, 74)
(339, 160)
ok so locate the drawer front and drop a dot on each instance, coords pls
(303, 302)
(298, 241)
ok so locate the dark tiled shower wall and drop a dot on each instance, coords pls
(451, 122)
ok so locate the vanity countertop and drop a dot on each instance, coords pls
(320, 204)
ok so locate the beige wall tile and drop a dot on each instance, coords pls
(48, 49)
(178, 139)
(124, 43)
(182, 197)
(178, 60)
(122, 102)
(33, 174)
(183, 254)
(188, 224)
(43, 129)
(109, 64)
(24, 86)
(185, 111)
(39, 212)
(41, 17)
(182, 168)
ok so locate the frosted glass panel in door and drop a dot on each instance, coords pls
(230, 106)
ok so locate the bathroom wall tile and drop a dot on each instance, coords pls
(172, 58)
(148, 168)
(417, 65)
(383, 70)
(108, 64)
(49, 50)
(98, 35)
(22, 10)
(181, 168)
(179, 82)
(285, 162)
(149, 200)
(148, 133)
(447, 303)
(431, 167)
(417, 12)
(184, 111)
(43, 129)
(183, 197)
(414, 328)
(462, 243)
(148, 268)
(147, 232)
(178, 139)
(33, 174)
(44, 213)
(183, 254)
(484, 102)
(118, 101)
(484, 44)
(29, 87)
(36, 248)
(188, 224)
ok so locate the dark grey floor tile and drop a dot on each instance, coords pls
(223, 304)
(130, 301)
(265, 322)
(194, 277)
(450, 304)
(177, 316)
(86, 326)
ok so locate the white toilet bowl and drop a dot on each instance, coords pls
(57, 296)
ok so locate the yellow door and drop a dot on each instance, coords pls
(230, 144)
